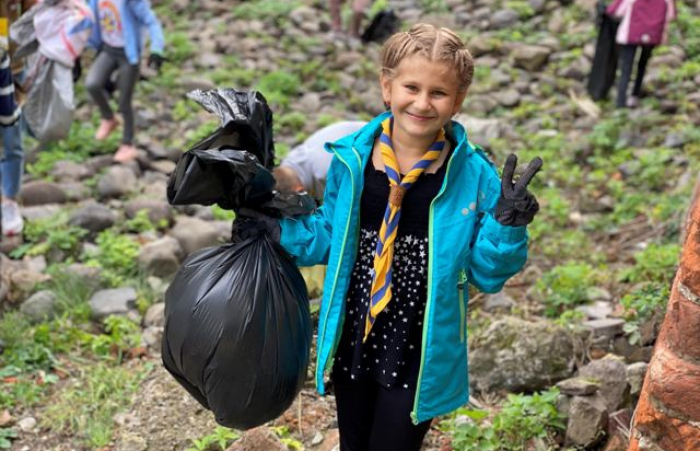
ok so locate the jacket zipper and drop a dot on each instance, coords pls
(414, 413)
(462, 305)
(337, 271)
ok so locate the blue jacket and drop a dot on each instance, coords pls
(135, 14)
(466, 244)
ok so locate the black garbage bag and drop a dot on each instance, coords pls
(246, 122)
(238, 331)
(604, 66)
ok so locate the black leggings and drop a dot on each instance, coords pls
(627, 54)
(374, 418)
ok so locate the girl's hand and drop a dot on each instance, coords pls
(517, 206)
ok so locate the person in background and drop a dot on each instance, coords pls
(643, 26)
(358, 15)
(306, 166)
(117, 37)
(12, 163)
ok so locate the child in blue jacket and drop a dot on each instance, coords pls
(412, 211)
(117, 36)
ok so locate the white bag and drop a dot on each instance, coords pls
(63, 30)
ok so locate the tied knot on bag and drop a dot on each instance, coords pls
(250, 224)
(381, 291)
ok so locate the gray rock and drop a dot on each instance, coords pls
(481, 45)
(93, 217)
(27, 424)
(118, 181)
(118, 301)
(577, 386)
(588, 419)
(531, 57)
(161, 258)
(481, 104)
(675, 140)
(481, 131)
(42, 193)
(597, 310)
(508, 98)
(635, 377)
(40, 306)
(100, 162)
(75, 191)
(40, 212)
(310, 102)
(517, 355)
(155, 315)
(499, 301)
(609, 327)
(504, 18)
(194, 234)
(67, 170)
(193, 82)
(577, 69)
(158, 210)
(537, 5)
(166, 167)
(152, 337)
(209, 60)
(611, 374)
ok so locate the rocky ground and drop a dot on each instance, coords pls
(102, 240)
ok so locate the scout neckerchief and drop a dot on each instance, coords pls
(381, 280)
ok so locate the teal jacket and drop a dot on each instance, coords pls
(466, 244)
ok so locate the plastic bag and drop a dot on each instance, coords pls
(238, 331)
(48, 109)
(63, 30)
(246, 122)
(383, 24)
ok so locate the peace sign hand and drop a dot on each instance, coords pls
(517, 206)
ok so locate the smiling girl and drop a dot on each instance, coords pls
(412, 211)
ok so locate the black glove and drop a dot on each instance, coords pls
(251, 224)
(77, 70)
(517, 206)
(155, 61)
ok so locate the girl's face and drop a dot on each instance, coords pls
(423, 95)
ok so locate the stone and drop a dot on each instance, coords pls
(40, 212)
(76, 191)
(42, 193)
(517, 355)
(158, 210)
(609, 327)
(193, 82)
(93, 217)
(499, 301)
(531, 57)
(611, 375)
(310, 102)
(118, 181)
(194, 234)
(504, 18)
(27, 424)
(588, 419)
(155, 315)
(577, 386)
(67, 170)
(636, 372)
(161, 258)
(481, 45)
(166, 167)
(258, 439)
(152, 337)
(597, 310)
(39, 307)
(508, 98)
(538, 6)
(117, 301)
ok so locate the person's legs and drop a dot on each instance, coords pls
(355, 403)
(641, 69)
(96, 80)
(392, 429)
(336, 22)
(126, 83)
(626, 61)
(358, 15)
(11, 168)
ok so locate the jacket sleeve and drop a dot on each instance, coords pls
(308, 238)
(9, 113)
(497, 251)
(146, 17)
(95, 39)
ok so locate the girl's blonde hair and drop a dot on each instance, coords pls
(435, 44)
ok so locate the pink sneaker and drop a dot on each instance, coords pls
(125, 153)
(107, 126)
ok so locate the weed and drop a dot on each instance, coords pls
(521, 419)
(219, 440)
(655, 263)
(641, 304)
(565, 286)
(279, 86)
(116, 255)
(6, 437)
(48, 234)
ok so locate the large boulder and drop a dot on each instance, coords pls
(610, 373)
(531, 57)
(517, 355)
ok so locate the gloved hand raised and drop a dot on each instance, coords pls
(250, 224)
(155, 61)
(517, 206)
